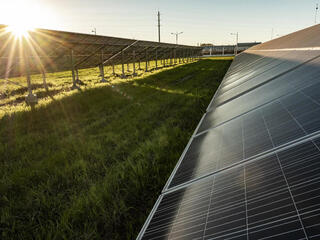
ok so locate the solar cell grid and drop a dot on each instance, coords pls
(282, 121)
(275, 197)
(262, 75)
(303, 80)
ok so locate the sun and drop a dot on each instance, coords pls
(19, 30)
(26, 15)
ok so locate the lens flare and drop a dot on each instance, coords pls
(19, 30)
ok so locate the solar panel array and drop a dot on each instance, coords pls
(50, 51)
(252, 167)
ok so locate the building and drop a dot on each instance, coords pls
(226, 49)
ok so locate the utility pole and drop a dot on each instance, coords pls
(159, 26)
(177, 35)
(315, 17)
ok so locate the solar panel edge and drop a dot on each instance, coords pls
(149, 218)
(182, 156)
(217, 91)
(279, 148)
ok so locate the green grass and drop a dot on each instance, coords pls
(91, 164)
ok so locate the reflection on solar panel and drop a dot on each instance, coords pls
(252, 168)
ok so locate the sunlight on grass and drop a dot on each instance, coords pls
(90, 164)
(12, 96)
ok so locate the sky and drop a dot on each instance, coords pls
(201, 21)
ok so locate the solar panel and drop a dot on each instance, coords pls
(52, 48)
(301, 78)
(263, 72)
(273, 125)
(269, 198)
(251, 169)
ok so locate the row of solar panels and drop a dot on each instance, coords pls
(49, 50)
(252, 168)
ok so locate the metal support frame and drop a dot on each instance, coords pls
(134, 63)
(31, 99)
(77, 75)
(45, 85)
(122, 64)
(156, 59)
(74, 81)
(113, 71)
(146, 61)
(187, 56)
(102, 69)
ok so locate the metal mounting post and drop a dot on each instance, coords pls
(146, 61)
(45, 85)
(122, 65)
(156, 59)
(134, 63)
(77, 76)
(113, 71)
(102, 68)
(31, 99)
(74, 82)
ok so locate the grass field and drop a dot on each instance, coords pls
(90, 164)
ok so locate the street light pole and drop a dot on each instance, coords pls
(177, 35)
(237, 41)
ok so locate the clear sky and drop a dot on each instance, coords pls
(201, 20)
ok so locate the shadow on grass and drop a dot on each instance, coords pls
(90, 165)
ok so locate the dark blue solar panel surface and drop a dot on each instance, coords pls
(264, 199)
(304, 77)
(252, 168)
(279, 122)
